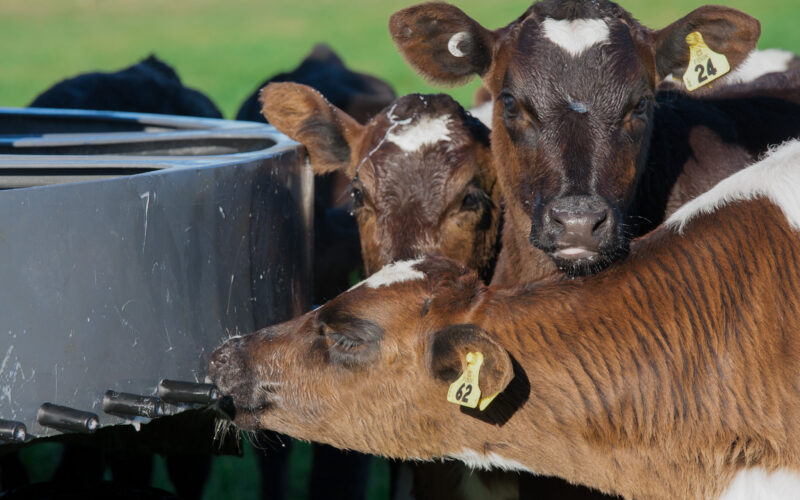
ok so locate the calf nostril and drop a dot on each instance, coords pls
(600, 218)
(219, 359)
(559, 216)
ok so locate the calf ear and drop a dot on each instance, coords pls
(726, 31)
(329, 134)
(449, 348)
(442, 42)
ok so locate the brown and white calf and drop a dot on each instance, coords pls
(422, 182)
(421, 175)
(675, 374)
(587, 154)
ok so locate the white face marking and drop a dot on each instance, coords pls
(483, 113)
(578, 107)
(492, 460)
(426, 130)
(760, 63)
(577, 35)
(396, 272)
(452, 44)
(776, 178)
(758, 484)
(395, 122)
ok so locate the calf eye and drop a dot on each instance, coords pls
(349, 351)
(510, 105)
(471, 202)
(641, 107)
(347, 340)
(343, 342)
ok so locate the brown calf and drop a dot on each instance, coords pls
(675, 374)
(421, 174)
(412, 194)
(587, 155)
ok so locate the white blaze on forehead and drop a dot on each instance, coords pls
(452, 44)
(426, 130)
(397, 272)
(577, 35)
(758, 484)
(760, 63)
(775, 178)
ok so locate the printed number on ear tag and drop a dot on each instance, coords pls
(705, 65)
(465, 390)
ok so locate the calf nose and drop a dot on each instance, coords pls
(218, 360)
(225, 361)
(579, 224)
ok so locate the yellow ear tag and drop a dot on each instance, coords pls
(465, 390)
(705, 65)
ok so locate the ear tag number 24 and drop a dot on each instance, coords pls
(465, 391)
(705, 65)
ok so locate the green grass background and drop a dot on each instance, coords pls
(226, 49)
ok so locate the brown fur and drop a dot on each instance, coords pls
(410, 203)
(633, 152)
(658, 379)
(440, 199)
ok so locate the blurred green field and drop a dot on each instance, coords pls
(227, 49)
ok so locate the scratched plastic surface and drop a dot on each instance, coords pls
(117, 283)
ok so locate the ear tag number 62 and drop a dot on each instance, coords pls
(465, 391)
(705, 65)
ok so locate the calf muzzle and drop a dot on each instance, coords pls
(576, 230)
(228, 369)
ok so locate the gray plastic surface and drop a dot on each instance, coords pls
(118, 282)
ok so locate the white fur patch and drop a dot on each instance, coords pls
(760, 63)
(776, 178)
(483, 113)
(488, 461)
(396, 272)
(758, 484)
(452, 44)
(577, 35)
(426, 130)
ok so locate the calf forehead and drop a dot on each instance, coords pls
(426, 180)
(415, 121)
(420, 146)
(559, 61)
(575, 36)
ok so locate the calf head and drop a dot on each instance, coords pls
(421, 174)
(371, 369)
(573, 84)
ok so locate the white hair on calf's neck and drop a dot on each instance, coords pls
(776, 177)
(487, 461)
(577, 35)
(758, 484)
(426, 130)
(395, 272)
(760, 63)
(483, 113)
